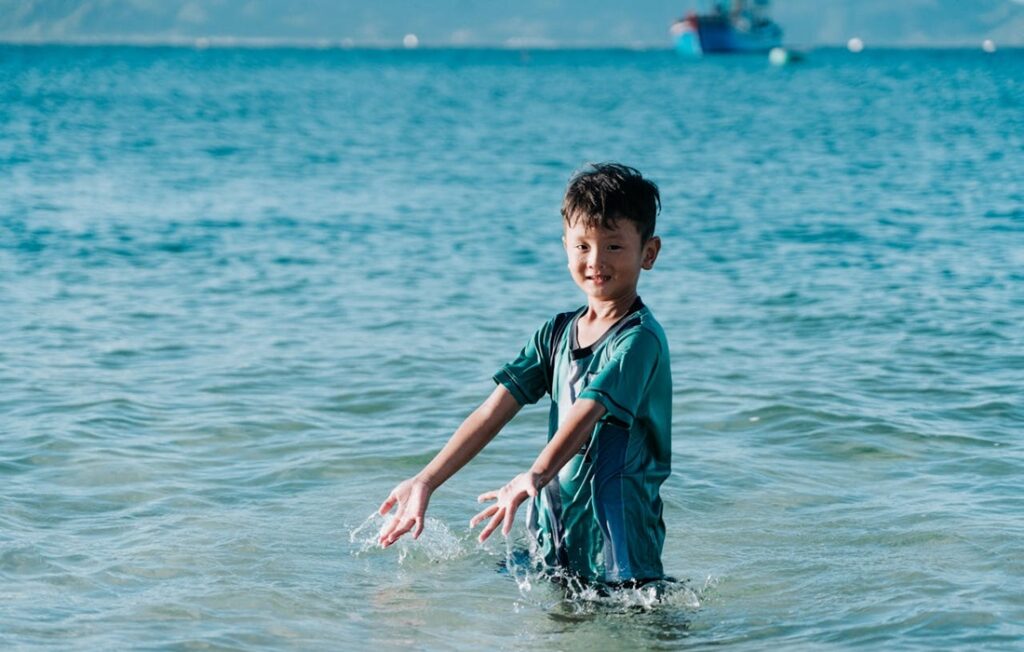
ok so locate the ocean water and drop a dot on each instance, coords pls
(245, 292)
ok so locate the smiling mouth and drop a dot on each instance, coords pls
(599, 279)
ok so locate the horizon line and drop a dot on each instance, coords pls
(255, 43)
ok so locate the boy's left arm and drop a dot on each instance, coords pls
(577, 428)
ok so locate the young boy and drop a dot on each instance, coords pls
(595, 509)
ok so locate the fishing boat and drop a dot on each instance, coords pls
(741, 27)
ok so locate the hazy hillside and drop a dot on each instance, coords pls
(478, 22)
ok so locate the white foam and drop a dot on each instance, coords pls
(582, 598)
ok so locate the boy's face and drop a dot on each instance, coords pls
(606, 263)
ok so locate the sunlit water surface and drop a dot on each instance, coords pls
(245, 292)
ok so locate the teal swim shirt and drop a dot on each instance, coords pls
(601, 517)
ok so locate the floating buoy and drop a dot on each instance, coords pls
(778, 56)
(988, 45)
(855, 45)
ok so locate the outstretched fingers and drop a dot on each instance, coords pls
(486, 513)
(409, 504)
(390, 531)
(397, 528)
(496, 520)
(510, 515)
(385, 532)
(386, 506)
(507, 502)
(487, 495)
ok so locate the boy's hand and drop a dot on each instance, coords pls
(411, 497)
(508, 499)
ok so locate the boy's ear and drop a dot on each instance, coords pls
(650, 254)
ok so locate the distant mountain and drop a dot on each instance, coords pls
(641, 23)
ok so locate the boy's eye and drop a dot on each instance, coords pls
(615, 247)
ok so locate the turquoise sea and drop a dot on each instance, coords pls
(244, 292)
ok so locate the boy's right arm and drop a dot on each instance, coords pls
(413, 495)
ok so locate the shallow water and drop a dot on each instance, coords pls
(244, 292)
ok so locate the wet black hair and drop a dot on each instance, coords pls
(603, 193)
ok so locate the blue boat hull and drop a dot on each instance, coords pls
(723, 38)
(703, 35)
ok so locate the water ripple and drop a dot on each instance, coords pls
(246, 292)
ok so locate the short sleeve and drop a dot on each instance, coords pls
(622, 382)
(526, 377)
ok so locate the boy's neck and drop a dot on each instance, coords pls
(610, 310)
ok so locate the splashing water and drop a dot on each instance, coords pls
(436, 543)
(580, 597)
(539, 587)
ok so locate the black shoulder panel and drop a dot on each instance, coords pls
(557, 330)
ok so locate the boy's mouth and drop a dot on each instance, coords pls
(599, 279)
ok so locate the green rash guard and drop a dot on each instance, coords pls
(601, 517)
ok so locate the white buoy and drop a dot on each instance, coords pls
(988, 45)
(410, 41)
(778, 56)
(855, 45)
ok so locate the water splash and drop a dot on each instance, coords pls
(436, 543)
(553, 589)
